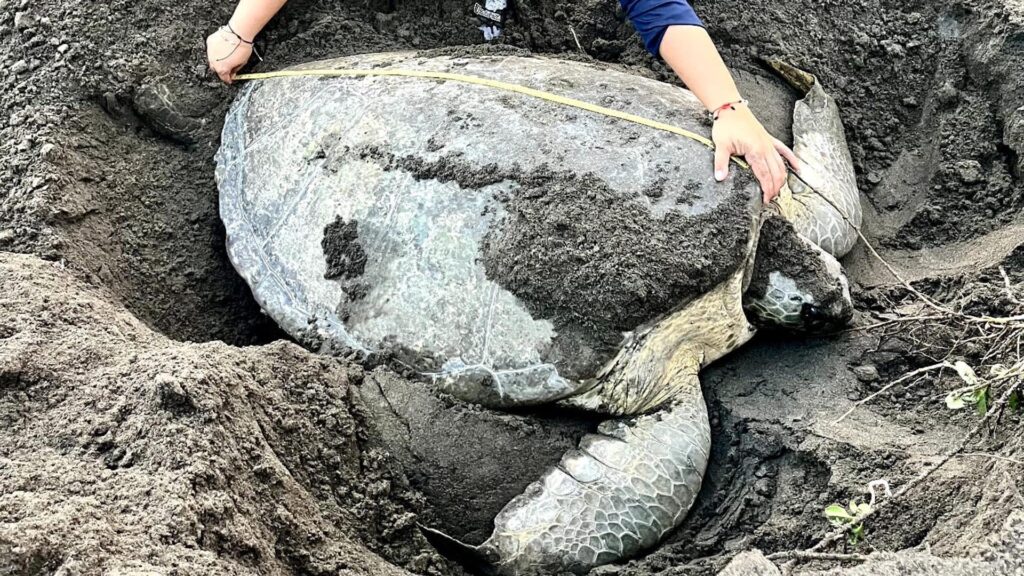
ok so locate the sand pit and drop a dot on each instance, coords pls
(154, 421)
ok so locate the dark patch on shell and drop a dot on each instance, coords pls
(345, 256)
(346, 260)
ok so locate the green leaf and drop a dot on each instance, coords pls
(981, 400)
(856, 534)
(835, 512)
(860, 509)
(1014, 401)
(966, 373)
(954, 400)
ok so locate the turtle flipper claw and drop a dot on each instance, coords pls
(472, 558)
(799, 79)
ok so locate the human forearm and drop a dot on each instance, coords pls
(671, 29)
(252, 15)
(693, 56)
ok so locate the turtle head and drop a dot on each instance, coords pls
(795, 285)
(801, 306)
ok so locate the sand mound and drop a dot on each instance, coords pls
(122, 451)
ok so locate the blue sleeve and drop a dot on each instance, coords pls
(652, 17)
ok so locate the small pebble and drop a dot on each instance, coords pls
(947, 95)
(969, 171)
(763, 471)
(763, 486)
(865, 373)
(23, 20)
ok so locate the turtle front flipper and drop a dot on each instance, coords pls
(822, 200)
(617, 494)
(506, 388)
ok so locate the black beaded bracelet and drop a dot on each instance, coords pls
(237, 35)
(241, 41)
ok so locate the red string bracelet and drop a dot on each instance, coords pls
(726, 106)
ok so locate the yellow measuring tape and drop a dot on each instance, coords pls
(496, 84)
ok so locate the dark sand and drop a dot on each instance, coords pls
(129, 443)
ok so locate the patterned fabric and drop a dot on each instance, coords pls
(492, 15)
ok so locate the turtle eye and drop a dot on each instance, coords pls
(812, 314)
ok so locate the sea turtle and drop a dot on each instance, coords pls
(518, 251)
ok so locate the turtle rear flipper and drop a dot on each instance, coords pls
(633, 481)
(617, 494)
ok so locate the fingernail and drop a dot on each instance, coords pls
(719, 175)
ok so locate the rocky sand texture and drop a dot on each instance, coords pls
(154, 422)
(126, 452)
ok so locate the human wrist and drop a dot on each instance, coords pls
(244, 28)
(734, 107)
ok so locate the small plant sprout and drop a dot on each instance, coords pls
(849, 516)
(976, 393)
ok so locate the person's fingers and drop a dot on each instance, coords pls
(787, 154)
(761, 171)
(224, 73)
(778, 169)
(773, 178)
(722, 154)
(235, 70)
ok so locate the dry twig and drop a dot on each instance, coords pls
(996, 339)
(992, 456)
(576, 38)
(889, 386)
(994, 409)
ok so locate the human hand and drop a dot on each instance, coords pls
(227, 53)
(737, 132)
